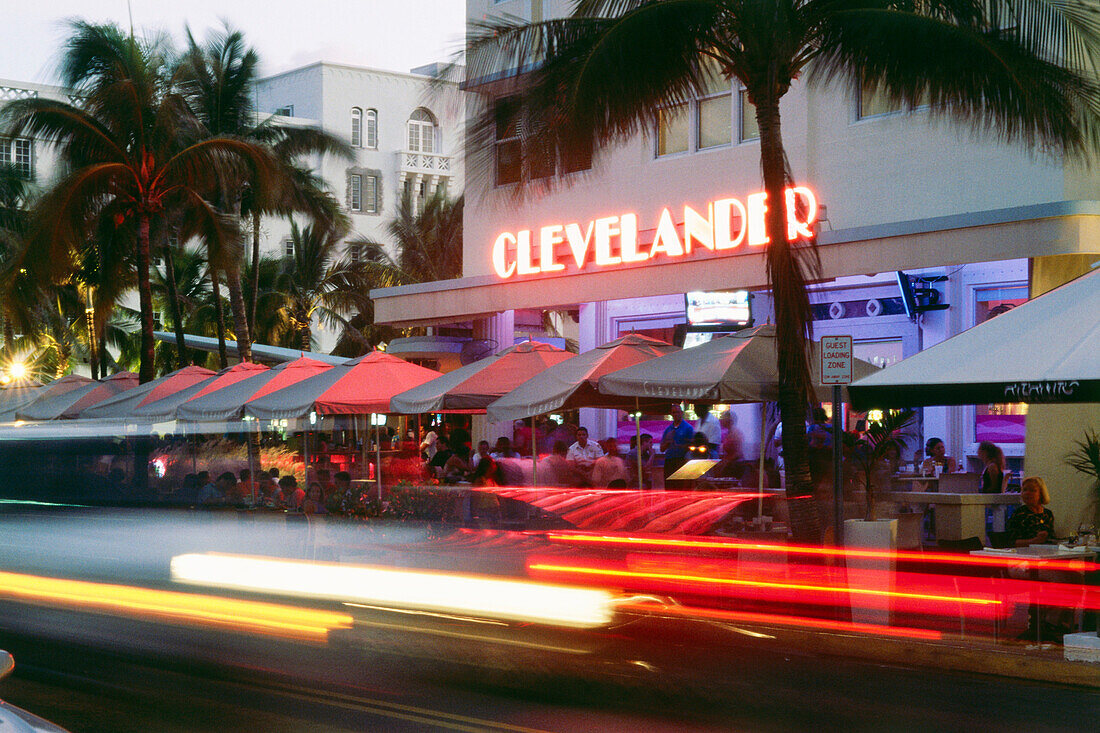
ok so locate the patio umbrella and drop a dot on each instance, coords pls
(166, 407)
(71, 403)
(122, 406)
(22, 393)
(227, 403)
(475, 386)
(1043, 351)
(740, 367)
(356, 387)
(572, 383)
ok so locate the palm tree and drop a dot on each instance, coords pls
(218, 80)
(316, 282)
(18, 293)
(132, 147)
(1022, 69)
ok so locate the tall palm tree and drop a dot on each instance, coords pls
(318, 283)
(1025, 70)
(132, 146)
(428, 243)
(218, 79)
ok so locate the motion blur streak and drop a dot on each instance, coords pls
(513, 600)
(750, 584)
(770, 619)
(937, 558)
(246, 616)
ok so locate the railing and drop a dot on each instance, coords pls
(432, 163)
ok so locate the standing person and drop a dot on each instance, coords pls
(429, 445)
(733, 441)
(674, 444)
(647, 461)
(583, 454)
(993, 471)
(709, 426)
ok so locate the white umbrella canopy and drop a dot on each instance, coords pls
(122, 406)
(71, 402)
(21, 393)
(473, 387)
(572, 383)
(736, 368)
(1044, 351)
(228, 402)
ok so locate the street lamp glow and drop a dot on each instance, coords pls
(17, 370)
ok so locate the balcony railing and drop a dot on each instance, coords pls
(428, 163)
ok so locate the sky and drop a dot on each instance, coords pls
(396, 35)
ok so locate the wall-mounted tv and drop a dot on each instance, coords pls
(722, 308)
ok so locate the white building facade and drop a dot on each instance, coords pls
(983, 223)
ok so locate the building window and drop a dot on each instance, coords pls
(673, 130)
(357, 128)
(370, 195)
(354, 252)
(715, 120)
(422, 132)
(19, 153)
(285, 111)
(288, 249)
(355, 194)
(999, 423)
(874, 103)
(508, 145)
(371, 129)
(749, 129)
(158, 321)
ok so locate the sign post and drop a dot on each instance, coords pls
(836, 369)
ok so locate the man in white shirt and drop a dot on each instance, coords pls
(709, 426)
(583, 454)
(429, 445)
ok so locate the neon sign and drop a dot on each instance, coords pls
(725, 225)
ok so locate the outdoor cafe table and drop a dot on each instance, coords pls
(1032, 561)
(959, 516)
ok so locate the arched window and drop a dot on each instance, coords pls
(356, 127)
(422, 132)
(372, 129)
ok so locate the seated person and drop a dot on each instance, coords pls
(937, 456)
(583, 454)
(1032, 523)
(992, 459)
(647, 461)
(315, 500)
(486, 472)
(610, 467)
(290, 496)
(457, 466)
(555, 469)
(504, 449)
(438, 461)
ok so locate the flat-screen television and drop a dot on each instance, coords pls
(732, 308)
(908, 297)
(695, 338)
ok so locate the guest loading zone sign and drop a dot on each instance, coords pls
(724, 226)
(836, 359)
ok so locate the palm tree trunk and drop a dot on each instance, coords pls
(254, 296)
(99, 320)
(219, 313)
(174, 306)
(147, 372)
(792, 323)
(9, 335)
(240, 314)
(305, 334)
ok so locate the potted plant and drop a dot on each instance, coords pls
(869, 453)
(1085, 457)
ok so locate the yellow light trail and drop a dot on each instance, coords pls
(258, 617)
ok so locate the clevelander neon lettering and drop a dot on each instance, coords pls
(528, 252)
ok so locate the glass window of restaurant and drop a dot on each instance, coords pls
(999, 423)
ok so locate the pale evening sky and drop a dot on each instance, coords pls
(389, 34)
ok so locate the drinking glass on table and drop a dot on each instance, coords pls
(1086, 532)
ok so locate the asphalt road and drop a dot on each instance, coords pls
(678, 687)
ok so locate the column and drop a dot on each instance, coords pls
(500, 331)
(1053, 429)
(595, 330)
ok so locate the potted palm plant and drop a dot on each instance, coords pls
(869, 454)
(1085, 457)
